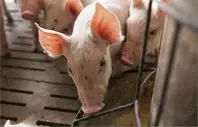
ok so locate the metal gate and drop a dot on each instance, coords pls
(180, 19)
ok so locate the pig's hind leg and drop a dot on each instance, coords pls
(36, 41)
(7, 13)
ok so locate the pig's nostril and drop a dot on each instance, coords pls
(90, 109)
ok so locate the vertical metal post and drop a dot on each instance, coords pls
(174, 102)
(3, 40)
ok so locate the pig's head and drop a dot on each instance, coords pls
(30, 9)
(87, 52)
(60, 15)
(136, 27)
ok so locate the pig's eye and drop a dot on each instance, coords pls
(65, 30)
(55, 20)
(153, 32)
(102, 62)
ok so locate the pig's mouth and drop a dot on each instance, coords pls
(92, 108)
(92, 102)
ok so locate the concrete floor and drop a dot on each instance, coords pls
(39, 91)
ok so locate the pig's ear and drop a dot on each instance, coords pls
(136, 3)
(53, 42)
(106, 26)
(74, 6)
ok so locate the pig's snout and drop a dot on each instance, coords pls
(29, 15)
(89, 109)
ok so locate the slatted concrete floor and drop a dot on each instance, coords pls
(32, 85)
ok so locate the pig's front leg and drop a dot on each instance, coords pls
(7, 13)
(118, 68)
(36, 41)
(3, 40)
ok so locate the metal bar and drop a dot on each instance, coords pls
(147, 78)
(136, 101)
(179, 16)
(168, 73)
(137, 114)
(140, 71)
(78, 115)
(105, 112)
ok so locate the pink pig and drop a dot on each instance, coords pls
(58, 15)
(136, 22)
(93, 48)
(88, 50)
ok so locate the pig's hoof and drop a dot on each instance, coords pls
(117, 75)
(126, 61)
(3, 54)
(92, 109)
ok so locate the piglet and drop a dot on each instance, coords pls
(130, 54)
(96, 37)
(59, 14)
